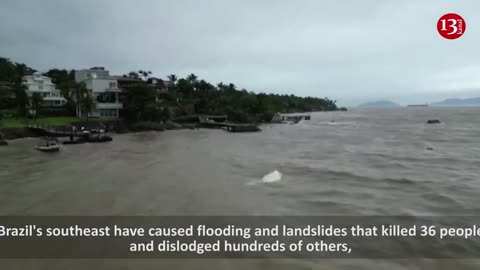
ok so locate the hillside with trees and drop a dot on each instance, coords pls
(145, 102)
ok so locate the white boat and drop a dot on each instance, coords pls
(49, 146)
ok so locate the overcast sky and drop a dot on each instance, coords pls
(349, 50)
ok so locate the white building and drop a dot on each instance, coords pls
(104, 90)
(37, 83)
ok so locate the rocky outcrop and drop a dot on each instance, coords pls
(433, 121)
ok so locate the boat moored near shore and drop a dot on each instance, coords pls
(290, 118)
(50, 145)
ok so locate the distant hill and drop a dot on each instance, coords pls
(459, 102)
(380, 104)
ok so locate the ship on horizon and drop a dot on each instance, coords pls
(418, 105)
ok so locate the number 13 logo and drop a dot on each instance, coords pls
(451, 26)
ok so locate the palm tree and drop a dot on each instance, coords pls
(221, 86)
(21, 98)
(204, 92)
(36, 102)
(133, 74)
(172, 78)
(145, 74)
(80, 91)
(88, 104)
(192, 78)
(172, 88)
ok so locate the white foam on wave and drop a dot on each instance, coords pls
(272, 177)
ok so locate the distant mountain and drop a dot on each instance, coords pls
(380, 104)
(459, 102)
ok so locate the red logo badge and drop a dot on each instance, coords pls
(451, 26)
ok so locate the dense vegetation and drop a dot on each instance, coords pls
(12, 92)
(164, 100)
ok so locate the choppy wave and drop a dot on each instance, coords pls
(364, 163)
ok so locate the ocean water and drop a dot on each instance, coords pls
(361, 162)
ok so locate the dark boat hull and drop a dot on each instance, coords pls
(48, 150)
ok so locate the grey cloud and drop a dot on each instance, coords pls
(348, 50)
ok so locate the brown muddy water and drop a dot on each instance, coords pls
(362, 162)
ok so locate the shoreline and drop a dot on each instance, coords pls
(11, 134)
(122, 127)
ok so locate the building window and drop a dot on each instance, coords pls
(108, 113)
(40, 87)
(113, 85)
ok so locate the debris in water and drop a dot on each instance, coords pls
(272, 177)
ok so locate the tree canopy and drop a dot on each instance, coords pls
(185, 95)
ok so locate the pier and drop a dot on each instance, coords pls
(75, 130)
(49, 131)
(232, 127)
(200, 121)
(295, 117)
(217, 122)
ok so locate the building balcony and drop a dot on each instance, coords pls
(113, 105)
(52, 98)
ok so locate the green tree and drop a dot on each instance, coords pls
(133, 74)
(205, 96)
(185, 88)
(22, 70)
(172, 78)
(6, 96)
(65, 82)
(21, 99)
(221, 86)
(88, 105)
(231, 87)
(144, 74)
(7, 70)
(68, 91)
(192, 78)
(36, 102)
(140, 103)
(172, 87)
(59, 76)
(80, 90)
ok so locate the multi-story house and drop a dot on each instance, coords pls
(37, 83)
(160, 85)
(126, 84)
(104, 89)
